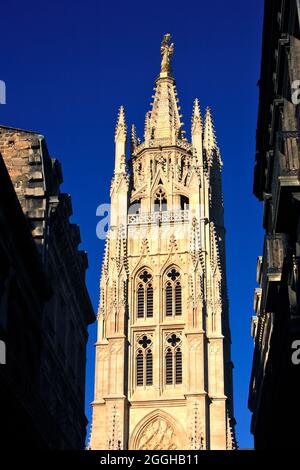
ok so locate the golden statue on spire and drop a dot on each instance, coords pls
(167, 51)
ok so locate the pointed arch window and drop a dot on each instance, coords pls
(160, 200)
(178, 366)
(144, 361)
(169, 367)
(173, 293)
(144, 301)
(178, 298)
(149, 367)
(139, 368)
(149, 308)
(173, 359)
(169, 300)
(140, 301)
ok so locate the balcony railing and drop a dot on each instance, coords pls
(287, 149)
(163, 141)
(274, 253)
(271, 271)
(286, 165)
(145, 218)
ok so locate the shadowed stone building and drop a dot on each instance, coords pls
(24, 289)
(44, 304)
(274, 389)
(163, 368)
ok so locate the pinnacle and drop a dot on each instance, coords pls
(196, 116)
(133, 133)
(133, 137)
(209, 141)
(121, 127)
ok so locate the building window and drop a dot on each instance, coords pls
(184, 203)
(169, 300)
(178, 366)
(140, 368)
(149, 368)
(140, 301)
(149, 309)
(144, 303)
(135, 207)
(173, 359)
(169, 367)
(160, 200)
(173, 297)
(144, 361)
(177, 298)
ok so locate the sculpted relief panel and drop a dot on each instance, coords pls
(157, 435)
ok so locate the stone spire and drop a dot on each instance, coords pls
(196, 117)
(168, 205)
(120, 140)
(209, 140)
(197, 130)
(164, 119)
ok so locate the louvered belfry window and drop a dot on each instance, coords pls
(139, 368)
(169, 300)
(173, 295)
(149, 308)
(144, 361)
(144, 295)
(178, 366)
(149, 368)
(173, 360)
(169, 367)
(140, 301)
(178, 299)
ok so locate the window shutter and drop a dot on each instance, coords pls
(169, 367)
(139, 368)
(169, 301)
(150, 301)
(140, 302)
(178, 361)
(178, 299)
(149, 368)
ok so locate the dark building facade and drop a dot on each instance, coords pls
(274, 388)
(61, 308)
(23, 292)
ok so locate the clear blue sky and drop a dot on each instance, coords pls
(68, 65)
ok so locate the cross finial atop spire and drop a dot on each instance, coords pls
(167, 51)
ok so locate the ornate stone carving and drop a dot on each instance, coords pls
(158, 435)
(114, 435)
(162, 285)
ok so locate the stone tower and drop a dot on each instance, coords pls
(163, 368)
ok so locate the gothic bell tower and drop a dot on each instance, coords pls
(163, 368)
